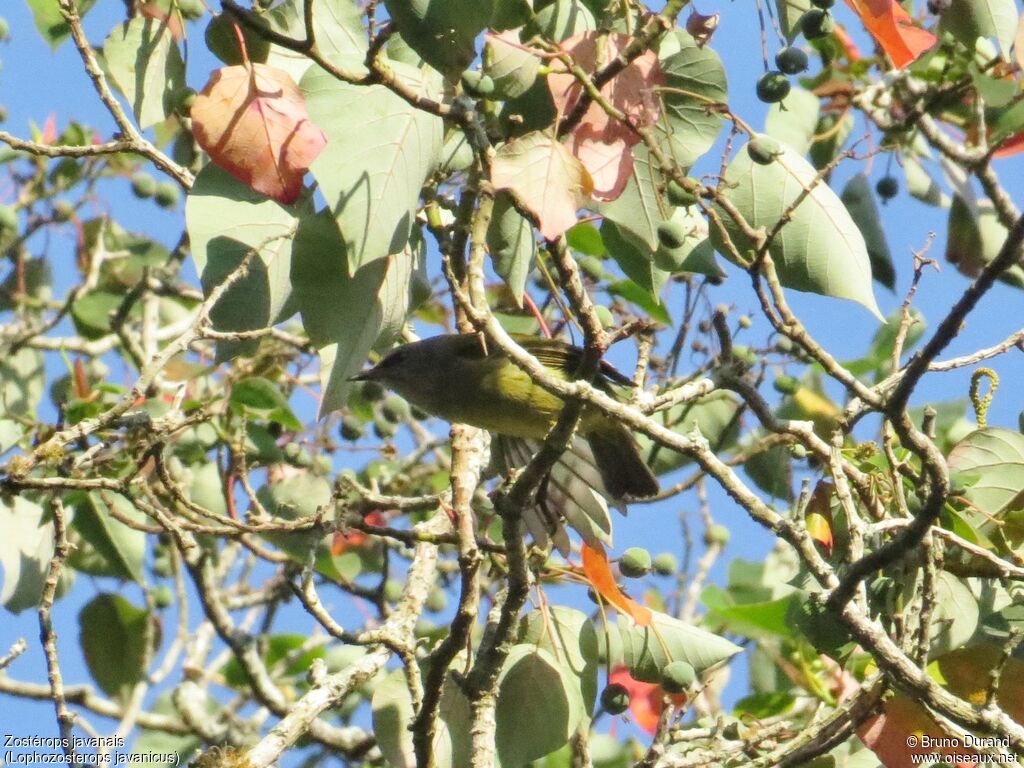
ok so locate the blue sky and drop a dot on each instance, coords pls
(35, 82)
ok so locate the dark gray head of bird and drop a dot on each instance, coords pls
(417, 371)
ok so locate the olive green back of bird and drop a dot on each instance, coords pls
(455, 378)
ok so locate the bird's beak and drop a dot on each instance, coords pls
(366, 375)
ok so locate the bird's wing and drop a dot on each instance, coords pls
(565, 359)
(571, 493)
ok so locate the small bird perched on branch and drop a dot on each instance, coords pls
(456, 378)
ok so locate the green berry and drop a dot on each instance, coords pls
(392, 590)
(372, 391)
(763, 149)
(8, 219)
(615, 699)
(162, 596)
(665, 564)
(1020, 421)
(604, 315)
(436, 600)
(383, 428)
(717, 535)
(395, 409)
(746, 321)
(166, 194)
(5, 29)
(773, 87)
(786, 385)
(183, 99)
(823, 4)
(635, 562)
(745, 355)
(350, 428)
(790, 60)
(679, 195)
(816, 23)
(784, 344)
(191, 9)
(162, 563)
(143, 185)
(887, 188)
(798, 451)
(63, 210)
(670, 259)
(671, 234)
(477, 82)
(678, 676)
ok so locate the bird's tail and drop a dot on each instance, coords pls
(618, 458)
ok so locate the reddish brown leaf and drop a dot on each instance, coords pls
(893, 30)
(598, 572)
(159, 10)
(646, 700)
(1010, 146)
(600, 142)
(904, 729)
(252, 122)
(610, 164)
(545, 177)
(631, 91)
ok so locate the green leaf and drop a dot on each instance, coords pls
(716, 417)
(956, 615)
(569, 636)
(122, 549)
(22, 379)
(511, 66)
(694, 81)
(967, 20)
(112, 633)
(50, 22)
(646, 651)
(831, 134)
(152, 742)
(393, 715)
(276, 650)
(921, 185)
(10, 433)
(26, 547)
(859, 200)
(226, 220)
(788, 14)
(586, 238)
(512, 245)
(539, 706)
(996, 458)
(634, 258)
(820, 249)
(771, 470)
(697, 252)
(380, 150)
(144, 62)
(755, 620)
(338, 27)
(443, 32)
(560, 20)
(884, 341)
(636, 294)
(345, 316)
(794, 120)
(974, 238)
(93, 312)
(638, 210)
(260, 398)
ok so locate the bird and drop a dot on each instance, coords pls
(458, 378)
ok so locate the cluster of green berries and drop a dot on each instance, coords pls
(815, 24)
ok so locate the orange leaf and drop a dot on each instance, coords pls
(646, 700)
(893, 29)
(599, 573)
(545, 176)
(819, 516)
(252, 122)
(903, 730)
(610, 164)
